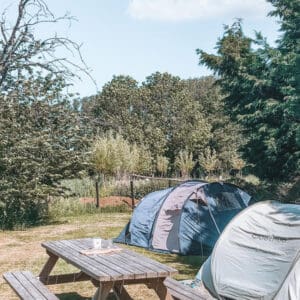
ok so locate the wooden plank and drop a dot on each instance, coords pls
(76, 259)
(182, 292)
(154, 270)
(17, 286)
(140, 270)
(110, 261)
(120, 292)
(103, 291)
(162, 267)
(130, 262)
(27, 286)
(65, 278)
(49, 265)
(138, 264)
(162, 291)
(100, 262)
(39, 286)
(125, 265)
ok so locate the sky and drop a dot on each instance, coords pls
(140, 37)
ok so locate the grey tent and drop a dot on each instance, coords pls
(258, 255)
(186, 219)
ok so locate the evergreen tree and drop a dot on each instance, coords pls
(262, 91)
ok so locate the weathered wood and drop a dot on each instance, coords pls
(164, 270)
(157, 284)
(102, 262)
(120, 292)
(27, 286)
(75, 258)
(110, 270)
(49, 265)
(65, 278)
(180, 291)
(103, 291)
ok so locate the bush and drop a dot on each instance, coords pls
(112, 155)
(66, 207)
(19, 212)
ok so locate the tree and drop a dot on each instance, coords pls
(262, 93)
(41, 144)
(117, 108)
(184, 163)
(209, 161)
(22, 53)
(225, 137)
(160, 115)
(162, 164)
(172, 108)
(112, 155)
(42, 137)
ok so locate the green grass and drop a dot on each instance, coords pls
(21, 250)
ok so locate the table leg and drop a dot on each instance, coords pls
(103, 291)
(121, 292)
(161, 290)
(48, 267)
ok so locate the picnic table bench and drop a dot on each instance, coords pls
(107, 271)
(179, 291)
(111, 269)
(27, 286)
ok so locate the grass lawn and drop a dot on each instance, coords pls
(21, 250)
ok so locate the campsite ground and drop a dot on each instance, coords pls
(21, 250)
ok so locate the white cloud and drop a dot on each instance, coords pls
(179, 10)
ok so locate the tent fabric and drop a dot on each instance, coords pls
(257, 255)
(290, 289)
(185, 219)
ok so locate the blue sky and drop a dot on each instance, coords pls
(139, 37)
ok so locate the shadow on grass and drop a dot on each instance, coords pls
(76, 296)
(186, 265)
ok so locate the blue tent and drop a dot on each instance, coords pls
(186, 219)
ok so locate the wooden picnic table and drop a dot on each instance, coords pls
(106, 271)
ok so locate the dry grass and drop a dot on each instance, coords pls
(21, 250)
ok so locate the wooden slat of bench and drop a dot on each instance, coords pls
(17, 286)
(27, 286)
(183, 292)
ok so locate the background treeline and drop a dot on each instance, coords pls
(180, 125)
(243, 120)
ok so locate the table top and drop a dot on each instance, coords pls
(114, 266)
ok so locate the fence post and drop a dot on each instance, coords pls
(132, 193)
(97, 194)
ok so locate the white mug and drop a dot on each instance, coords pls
(97, 243)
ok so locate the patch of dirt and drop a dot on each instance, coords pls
(110, 201)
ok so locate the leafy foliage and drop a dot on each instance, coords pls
(162, 164)
(114, 156)
(167, 115)
(40, 145)
(262, 93)
(184, 163)
(42, 138)
(208, 160)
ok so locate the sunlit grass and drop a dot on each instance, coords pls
(21, 250)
